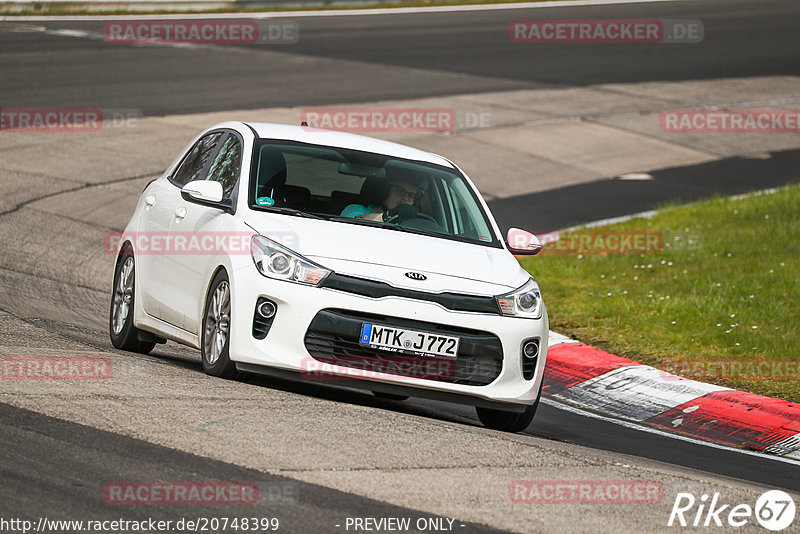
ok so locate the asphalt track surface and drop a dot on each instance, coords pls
(382, 57)
(603, 199)
(92, 458)
(344, 59)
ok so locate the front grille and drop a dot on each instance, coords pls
(333, 338)
(374, 289)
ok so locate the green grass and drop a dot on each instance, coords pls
(79, 8)
(730, 296)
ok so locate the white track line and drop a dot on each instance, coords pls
(634, 426)
(651, 213)
(329, 13)
(614, 220)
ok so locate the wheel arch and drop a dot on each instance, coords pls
(207, 293)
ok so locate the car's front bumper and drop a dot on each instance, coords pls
(286, 346)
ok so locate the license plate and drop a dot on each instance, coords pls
(405, 341)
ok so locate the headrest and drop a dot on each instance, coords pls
(402, 174)
(271, 167)
(374, 191)
(292, 196)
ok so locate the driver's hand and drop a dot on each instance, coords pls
(400, 213)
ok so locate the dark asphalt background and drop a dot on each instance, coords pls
(58, 470)
(612, 197)
(374, 57)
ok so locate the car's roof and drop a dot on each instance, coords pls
(317, 136)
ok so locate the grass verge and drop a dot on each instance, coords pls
(718, 303)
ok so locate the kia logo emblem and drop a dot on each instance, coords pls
(416, 276)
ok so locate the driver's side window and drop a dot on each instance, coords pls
(227, 165)
(196, 161)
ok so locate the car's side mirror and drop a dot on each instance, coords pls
(207, 190)
(523, 243)
(206, 193)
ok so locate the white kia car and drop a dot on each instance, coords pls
(324, 255)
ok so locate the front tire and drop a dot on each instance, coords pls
(215, 342)
(508, 421)
(123, 334)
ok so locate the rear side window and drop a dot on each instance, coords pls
(196, 161)
(227, 165)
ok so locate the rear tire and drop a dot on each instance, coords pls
(508, 421)
(123, 334)
(216, 328)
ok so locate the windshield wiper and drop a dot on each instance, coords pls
(289, 211)
(392, 226)
(368, 222)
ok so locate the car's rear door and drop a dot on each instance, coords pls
(153, 228)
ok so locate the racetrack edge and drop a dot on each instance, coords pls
(599, 381)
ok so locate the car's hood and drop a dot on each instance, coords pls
(387, 255)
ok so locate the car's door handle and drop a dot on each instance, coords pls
(180, 213)
(150, 200)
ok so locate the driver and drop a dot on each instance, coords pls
(396, 208)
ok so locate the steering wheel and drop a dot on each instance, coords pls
(426, 216)
(423, 221)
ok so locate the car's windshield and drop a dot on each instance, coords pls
(350, 186)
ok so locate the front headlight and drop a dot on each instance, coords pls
(276, 261)
(523, 302)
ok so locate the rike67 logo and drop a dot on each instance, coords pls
(774, 510)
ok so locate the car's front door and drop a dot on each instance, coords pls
(206, 232)
(194, 166)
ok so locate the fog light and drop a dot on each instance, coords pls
(266, 310)
(531, 349)
(530, 358)
(263, 317)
